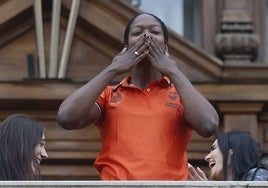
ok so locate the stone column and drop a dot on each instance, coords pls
(241, 117)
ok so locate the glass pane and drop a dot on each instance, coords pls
(169, 11)
(192, 21)
(183, 17)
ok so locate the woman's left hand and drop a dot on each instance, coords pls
(160, 58)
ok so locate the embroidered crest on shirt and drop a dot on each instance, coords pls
(173, 98)
(116, 97)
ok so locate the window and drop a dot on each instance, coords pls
(192, 20)
(181, 16)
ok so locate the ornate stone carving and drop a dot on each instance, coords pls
(237, 46)
(236, 40)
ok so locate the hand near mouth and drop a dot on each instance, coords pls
(196, 174)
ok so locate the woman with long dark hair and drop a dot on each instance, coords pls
(22, 148)
(233, 156)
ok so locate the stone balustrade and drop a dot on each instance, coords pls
(131, 184)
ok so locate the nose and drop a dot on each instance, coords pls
(147, 35)
(207, 157)
(44, 154)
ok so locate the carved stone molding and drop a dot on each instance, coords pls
(236, 41)
(237, 46)
(240, 108)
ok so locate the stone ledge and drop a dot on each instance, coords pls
(125, 184)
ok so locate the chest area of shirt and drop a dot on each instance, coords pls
(148, 98)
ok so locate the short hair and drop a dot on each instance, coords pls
(164, 28)
(19, 135)
(245, 153)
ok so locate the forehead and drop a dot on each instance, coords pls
(145, 20)
(43, 136)
(215, 142)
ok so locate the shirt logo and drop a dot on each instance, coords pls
(116, 97)
(173, 97)
(172, 105)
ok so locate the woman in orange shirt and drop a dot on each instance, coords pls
(146, 121)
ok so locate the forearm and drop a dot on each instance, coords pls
(77, 110)
(199, 113)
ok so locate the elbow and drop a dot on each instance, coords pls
(210, 130)
(64, 121)
(209, 127)
(70, 120)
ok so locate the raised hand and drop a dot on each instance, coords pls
(196, 174)
(160, 58)
(125, 60)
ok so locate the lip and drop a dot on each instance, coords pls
(211, 164)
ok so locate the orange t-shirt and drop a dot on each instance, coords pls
(143, 132)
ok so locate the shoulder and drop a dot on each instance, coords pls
(107, 90)
(257, 174)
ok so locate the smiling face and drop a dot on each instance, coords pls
(40, 151)
(215, 161)
(146, 25)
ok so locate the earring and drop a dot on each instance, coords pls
(167, 53)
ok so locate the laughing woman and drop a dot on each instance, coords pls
(22, 148)
(234, 156)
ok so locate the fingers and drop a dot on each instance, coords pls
(146, 45)
(196, 174)
(201, 173)
(190, 166)
(139, 56)
(192, 170)
(155, 48)
(157, 56)
(138, 46)
(123, 50)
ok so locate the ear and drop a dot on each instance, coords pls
(231, 151)
(166, 49)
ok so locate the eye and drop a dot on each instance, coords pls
(136, 34)
(42, 144)
(156, 32)
(213, 147)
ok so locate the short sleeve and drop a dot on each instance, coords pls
(102, 101)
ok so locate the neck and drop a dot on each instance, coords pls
(143, 74)
(230, 175)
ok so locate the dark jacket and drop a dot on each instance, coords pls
(257, 174)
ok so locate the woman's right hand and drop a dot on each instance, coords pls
(125, 60)
(196, 174)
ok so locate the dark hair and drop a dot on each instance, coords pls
(245, 153)
(164, 28)
(19, 135)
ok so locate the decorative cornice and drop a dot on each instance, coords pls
(57, 91)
